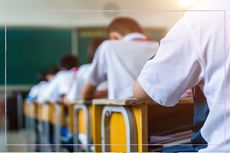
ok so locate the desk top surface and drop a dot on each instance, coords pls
(119, 102)
(133, 101)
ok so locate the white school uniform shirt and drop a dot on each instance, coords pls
(196, 48)
(59, 85)
(80, 81)
(40, 98)
(120, 62)
(35, 91)
(78, 84)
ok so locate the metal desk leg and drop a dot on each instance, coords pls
(44, 134)
(131, 129)
(57, 129)
(77, 108)
(30, 128)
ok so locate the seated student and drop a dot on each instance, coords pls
(34, 91)
(195, 50)
(57, 89)
(44, 78)
(37, 89)
(120, 59)
(60, 85)
(83, 76)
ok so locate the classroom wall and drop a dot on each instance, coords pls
(81, 13)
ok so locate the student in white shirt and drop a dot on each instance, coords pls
(37, 89)
(83, 76)
(120, 59)
(60, 85)
(195, 49)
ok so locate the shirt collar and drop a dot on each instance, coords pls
(133, 36)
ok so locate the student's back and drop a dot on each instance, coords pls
(196, 49)
(78, 83)
(121, 61)
(35, 91)
(38, 89)
(212, 33)
(83, 73)
(60, 85)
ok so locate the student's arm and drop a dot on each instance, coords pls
(175, 68)
(88, 91)
(97, 74)
(139, 93)
(100, 94)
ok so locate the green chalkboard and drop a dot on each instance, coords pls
(2, 61)
(31, 50)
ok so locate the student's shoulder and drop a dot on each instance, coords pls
(106, 46)
(35, 87)
(60, 75)
(110, 43)
(83, 68)
(63, 72)
(201, 15)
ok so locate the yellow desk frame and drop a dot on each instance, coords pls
(121, 125)
(127, 116)
(80, 122)
(29, 109)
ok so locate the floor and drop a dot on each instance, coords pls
(17, 141)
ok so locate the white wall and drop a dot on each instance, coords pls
(73, 13)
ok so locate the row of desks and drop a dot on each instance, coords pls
(113, 125)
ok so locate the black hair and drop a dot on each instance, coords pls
(68, 62)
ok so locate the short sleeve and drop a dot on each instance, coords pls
(65, 82)
(97, 70)
(175, 68)
(33, 94)
(50, 92)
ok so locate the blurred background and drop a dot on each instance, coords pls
(40, 32)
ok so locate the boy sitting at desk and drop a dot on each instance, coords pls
(43, 80)
(120, 59)
(195, 52)
(58, 88)
(83, 76)
(60, 85)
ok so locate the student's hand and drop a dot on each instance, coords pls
(141, 95)
(88, 91)
(98, 94)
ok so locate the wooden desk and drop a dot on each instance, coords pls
(80, 115)
(56, 114)
(43, 112)
(29, 109)
(121, 123)
(118, 113)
